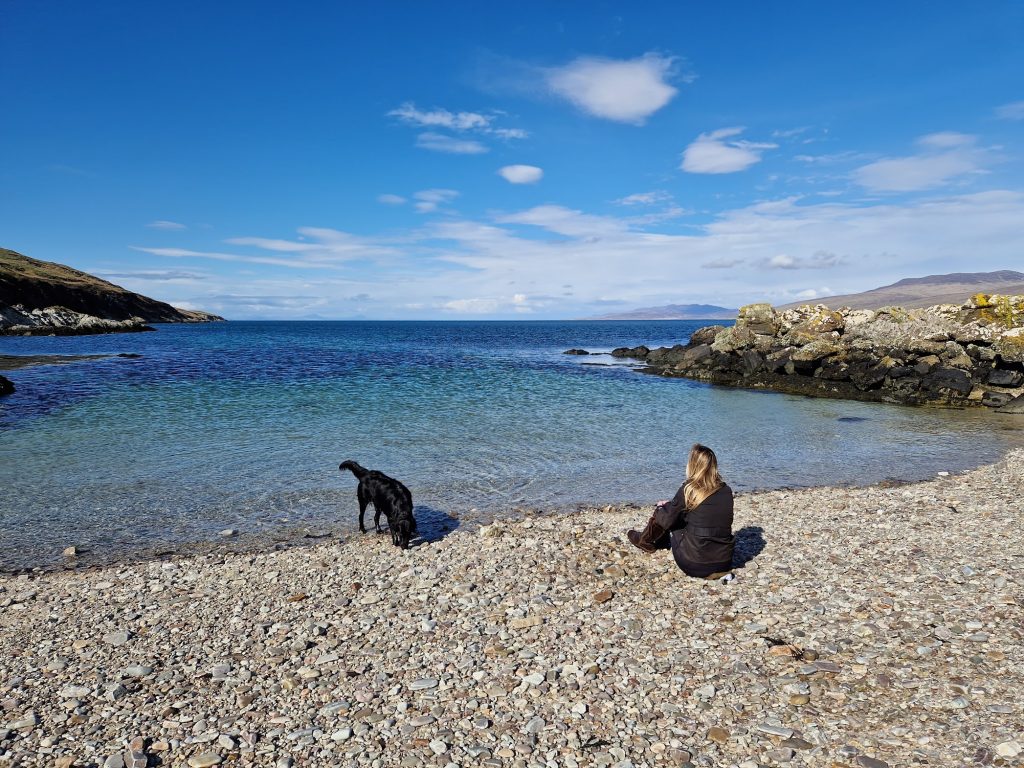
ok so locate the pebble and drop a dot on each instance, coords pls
(205, 760)
(116, 638)
(1009, 749)
(423, 684)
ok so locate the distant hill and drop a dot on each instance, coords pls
(953, 288)
(38, 284)
(673, 312)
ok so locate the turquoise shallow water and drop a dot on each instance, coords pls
(242, 425)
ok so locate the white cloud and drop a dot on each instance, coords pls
(722, 263)
(389, 199)
(472, 306)
(565, 221)
(944, 157)
(1012, 111)
(645, 198)
(510, 133)
(157, 275)
(429, 200)
(439, 142)
(820, 260)
(711, 153)
(459, 122)
(166, 225)
(521, 174)
(441, 118)
(478, 267)
(627, 91)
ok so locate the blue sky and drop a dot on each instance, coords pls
(536, 160)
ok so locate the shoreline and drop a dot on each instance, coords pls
(435, 526)
(872, 626)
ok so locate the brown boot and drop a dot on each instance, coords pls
(647, 540)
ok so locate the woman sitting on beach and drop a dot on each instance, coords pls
(697, 523)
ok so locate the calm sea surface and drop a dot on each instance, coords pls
(242, 425)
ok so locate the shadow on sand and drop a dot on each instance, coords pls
(749, 543)
(432, 524)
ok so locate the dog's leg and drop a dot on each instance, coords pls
(376, 519)
(363, 501)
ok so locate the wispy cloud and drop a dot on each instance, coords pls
(1012, 111)
(166, 225)
(521, 174)
(458, 122)
(819, 260)
(715, 153)
(441, 118)
(722, 263)
(452, 145)
(389, 199)
(645, 198)
(942, 158)
(430, 200)
(456, 265)
(626, 91)
(156, 275)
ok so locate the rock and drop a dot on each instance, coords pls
(717, 734)
(205, 760)
(535, 725)
(6, 386)
(603, 596)
(933, 356)
(438, 747)
(1014, 406)
(70, 552)
(575, 352)
(28, 721)
(1009, 749)
(759, 318)
(869, 762)
(116, 638)
(1005, 378)
(526, 623)
(227, 532)
(423, 684)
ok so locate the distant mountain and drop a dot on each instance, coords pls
(39, 285)
(953, 288)
(673, 312)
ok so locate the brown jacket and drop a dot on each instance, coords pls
(702, 540)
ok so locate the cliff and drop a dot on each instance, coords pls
(43, 297)
(951, 355)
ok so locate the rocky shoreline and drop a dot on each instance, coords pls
(866, 627)
(947, 355)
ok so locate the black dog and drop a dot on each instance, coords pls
(389, 497)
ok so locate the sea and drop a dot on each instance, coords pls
(202, 430)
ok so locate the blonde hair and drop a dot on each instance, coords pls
(702, 478)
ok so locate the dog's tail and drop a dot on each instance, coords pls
(354, 468)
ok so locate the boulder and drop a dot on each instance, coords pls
(640, 352)
(999, 377)
(759, 318)
(575, 352)
(950, 379)
(1010, 346)
(705, 335)
(996, 399)
(1014, 406)
(6, 387)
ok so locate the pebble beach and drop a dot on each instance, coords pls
(865, 627)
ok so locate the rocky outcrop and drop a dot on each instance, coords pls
(6, 387)
(966, 355)
(60, 321)
(88, 304)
